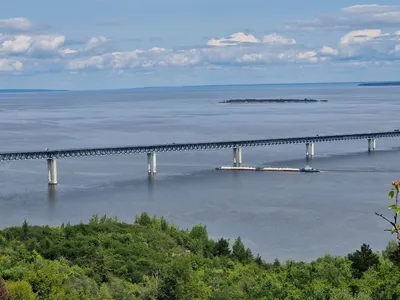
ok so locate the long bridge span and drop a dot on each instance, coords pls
(151, 150)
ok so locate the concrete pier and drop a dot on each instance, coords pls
(239, 156)
(310, 150)
(154, 166)
(371, 145)
(151, 164)
(235, 163)
(52, 171)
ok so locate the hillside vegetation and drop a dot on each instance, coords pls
(152, 259)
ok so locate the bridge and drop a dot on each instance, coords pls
(151, 150)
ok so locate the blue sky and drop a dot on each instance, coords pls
(90, 44)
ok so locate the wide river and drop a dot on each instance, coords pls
(289, 216)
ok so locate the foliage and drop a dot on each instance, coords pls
(152, 259)
(394, 194)
(362, 260)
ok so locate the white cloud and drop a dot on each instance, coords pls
(360, 36)
(15, 25)
(234, 39)
(31, 45)
(69, 51)
(328, 51)
(7, 65)
(278, 39)
(95, 42)
(242, 38)
(31, 53)
(353, 18)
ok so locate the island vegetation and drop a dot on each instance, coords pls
(253, 101)
(385, 83)
(153, 259)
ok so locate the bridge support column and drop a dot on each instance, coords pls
(312, 148)
(371, 145)
(52, 171)
(309, 150)
(235, 150)
(151, 164)
(239, 156)
(154, 166)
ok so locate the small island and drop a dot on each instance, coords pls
(305, 100)
(387, 83)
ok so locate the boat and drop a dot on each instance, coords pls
(308, 169)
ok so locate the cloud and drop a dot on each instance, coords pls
(95, 42)
(234, 39)
(15, 25)
(243, 38)
(31, 53)
(7, 65)
(35, 45)
(278, 39)
(352, 18)
(360, 36)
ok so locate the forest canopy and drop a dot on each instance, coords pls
(153, 259)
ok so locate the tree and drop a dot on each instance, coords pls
(393, 194)
(221, 248)
(362, 260)
(21, 290)
(25, 228)
(238, 250)
(4, 295)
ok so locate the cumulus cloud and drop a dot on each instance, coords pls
(242, 38)
(234, 39)
(24, 52)
(7, 65)
(31, 45)
(353, 18)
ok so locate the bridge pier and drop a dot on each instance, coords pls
(52, 171)
(371, 145)
(151, 164)
(239, 156)
(310, 150)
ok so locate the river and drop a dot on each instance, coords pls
(279, 215)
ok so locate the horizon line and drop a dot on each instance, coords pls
(190, 86)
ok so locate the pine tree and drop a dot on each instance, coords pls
(362, 260)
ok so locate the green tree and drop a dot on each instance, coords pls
(362, 260)
(144, 219)
(25, 229)
(21, 290)
(221, 248)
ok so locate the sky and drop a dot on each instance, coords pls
(105, 44)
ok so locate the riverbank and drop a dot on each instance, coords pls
(153, 259)
(252, 101)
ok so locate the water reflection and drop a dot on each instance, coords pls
(52, 196)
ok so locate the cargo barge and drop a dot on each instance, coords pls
(270, 169)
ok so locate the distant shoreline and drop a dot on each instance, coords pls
(252, 101)
(9, 91)
(392, 83)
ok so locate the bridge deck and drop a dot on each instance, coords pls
(69, 153)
